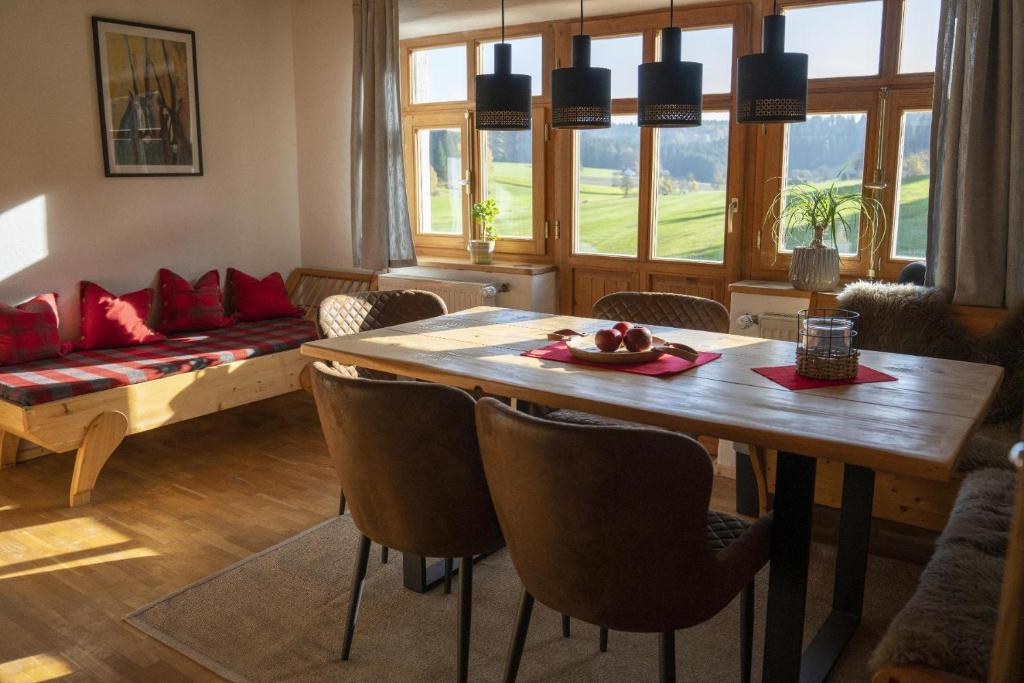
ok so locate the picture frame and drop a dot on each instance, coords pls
(148, 88)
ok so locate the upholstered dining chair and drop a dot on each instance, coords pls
(611, 525)
(408, 456)
(343, 314)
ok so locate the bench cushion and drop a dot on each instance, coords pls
(85, 372)
(949, 623)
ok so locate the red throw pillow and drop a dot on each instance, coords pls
(260, 299)
(110, 321)
(189, 309)
(28, 331)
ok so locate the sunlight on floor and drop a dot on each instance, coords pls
(23, 234)
(34, 669)
(65, 544)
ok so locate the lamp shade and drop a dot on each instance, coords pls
(503, 99)
(771, 86)
(670, 90)
(581, 95)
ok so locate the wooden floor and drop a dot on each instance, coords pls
(172, 505)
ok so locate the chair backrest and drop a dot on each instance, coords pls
(606, 524)
(664, 309)
(1008, 651)
(343, 314)
(407, 459)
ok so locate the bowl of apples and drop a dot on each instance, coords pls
(622, 343)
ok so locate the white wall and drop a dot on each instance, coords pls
(62, 221)
(323, 105)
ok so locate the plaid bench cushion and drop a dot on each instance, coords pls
(85, 372)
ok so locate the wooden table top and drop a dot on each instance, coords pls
(914, 426)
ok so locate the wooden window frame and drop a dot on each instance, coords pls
(825, 95)
(432, 120)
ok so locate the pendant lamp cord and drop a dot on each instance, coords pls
(503, 21)
(775, 7)
(581, 17)
(671, 13)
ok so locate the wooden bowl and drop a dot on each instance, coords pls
(584, 349)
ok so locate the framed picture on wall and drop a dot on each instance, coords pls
(149, 99)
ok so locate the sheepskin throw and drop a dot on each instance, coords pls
(949, 623)
(906, 319)
(1005, 347)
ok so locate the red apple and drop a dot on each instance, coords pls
(608, 340)
(623, 328)
(638, 339)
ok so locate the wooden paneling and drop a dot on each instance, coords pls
(707, 287)
(590, 284)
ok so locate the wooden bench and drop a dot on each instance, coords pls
(94, 424)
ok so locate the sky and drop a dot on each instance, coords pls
(841, 40)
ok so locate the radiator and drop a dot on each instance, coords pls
(779, 326)
(457, 295)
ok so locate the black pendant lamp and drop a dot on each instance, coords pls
(772, 86)
(503, 99)
(670, 90)
(581, 95)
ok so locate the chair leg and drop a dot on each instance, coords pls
(565, 626)
(746, 632)
(667, 657)
(515, 652)
(465, 615)
(341, 505)
(383, 554)
(603, 639)
(362, 557)
(448, 565)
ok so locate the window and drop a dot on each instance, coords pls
(621, 54)
(911, 224)
(840, 39)
(920, 35)
(507, 177)
(690, 190)
(527, 58)
(439, 74)
(712, 47)
(827, 148)
(607, 194)
(439, 180)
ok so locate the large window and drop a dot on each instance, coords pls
(690, 207)
(506, 174)
(911, 224)
(840, 39)
(607, 197)
(439, 180)
(439, 74)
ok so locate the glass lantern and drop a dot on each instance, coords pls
(827, 343)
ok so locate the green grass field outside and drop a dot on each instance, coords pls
(690, 225)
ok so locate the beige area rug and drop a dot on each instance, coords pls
(279, 615)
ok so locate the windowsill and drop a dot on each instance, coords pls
(507, 268)
(773, 288)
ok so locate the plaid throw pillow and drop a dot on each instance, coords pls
(28, 331)
(191, 309)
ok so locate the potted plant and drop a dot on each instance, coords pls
(482, 249)
(819, 212)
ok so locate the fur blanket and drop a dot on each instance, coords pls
(949, 623)
(920, 321)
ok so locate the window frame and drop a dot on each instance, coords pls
(835, 95)
(414, 114)
(412, 124)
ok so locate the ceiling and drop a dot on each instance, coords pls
(434, 17)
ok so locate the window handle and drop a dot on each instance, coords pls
(734, 206)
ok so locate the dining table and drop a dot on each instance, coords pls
(914, 426)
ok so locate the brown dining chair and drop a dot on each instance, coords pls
(343, 314)
(610, 524)
(666, 309)
(407, 454)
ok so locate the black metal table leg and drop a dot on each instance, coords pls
(850, 573)
(419, 576)
(747, 502)
(787, 584)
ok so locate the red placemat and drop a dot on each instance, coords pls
(787, 377)
(665, 365)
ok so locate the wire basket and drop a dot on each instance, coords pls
(827, 344)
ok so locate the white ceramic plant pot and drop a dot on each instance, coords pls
(815, 268)
(481, 251)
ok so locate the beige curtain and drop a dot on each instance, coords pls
(381, 233)
(976, 218)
